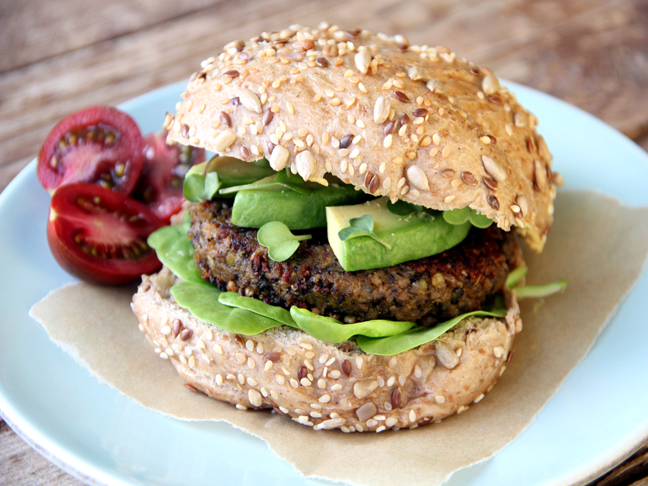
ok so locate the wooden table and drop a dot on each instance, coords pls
(57, 57)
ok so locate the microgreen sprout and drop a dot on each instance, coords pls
(362, 226)
(279, 240)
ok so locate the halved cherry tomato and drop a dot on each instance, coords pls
(160, 185)
(99, 145)
(100, 235)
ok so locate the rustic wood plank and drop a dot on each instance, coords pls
(586, 52)
(591, 53)
(20, 465)
(633, 471)
(33, 30)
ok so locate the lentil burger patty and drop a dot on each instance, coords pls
(429, 290)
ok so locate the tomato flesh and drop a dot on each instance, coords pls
(100, 145)
(160, 185)
(99, 235)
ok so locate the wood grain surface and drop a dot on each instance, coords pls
(57, 57)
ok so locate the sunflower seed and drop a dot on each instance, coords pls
(250, 100)
(417, 177)
(279, 157)
(224, 140)
(382, 109)
(363, 59)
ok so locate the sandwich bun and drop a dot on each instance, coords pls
(413, 123)
(328, 386)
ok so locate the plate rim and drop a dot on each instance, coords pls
(40, 443)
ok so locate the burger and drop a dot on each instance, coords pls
(348, 256)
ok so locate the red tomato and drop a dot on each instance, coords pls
(160, 185)
(100, 235)
(100, 145)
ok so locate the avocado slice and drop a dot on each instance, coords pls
(303, 207)
(413, 236)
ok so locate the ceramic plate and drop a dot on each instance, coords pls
(598, 417)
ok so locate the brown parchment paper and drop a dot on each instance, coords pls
(597, 243)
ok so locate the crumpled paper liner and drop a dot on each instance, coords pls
(597, 243)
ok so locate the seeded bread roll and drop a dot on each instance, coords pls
(408, 122)
(324, 385)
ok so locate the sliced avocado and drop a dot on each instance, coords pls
(416, 235)
(303, 209)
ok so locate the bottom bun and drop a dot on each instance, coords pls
(328, 386)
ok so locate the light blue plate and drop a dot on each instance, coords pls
(102, 437)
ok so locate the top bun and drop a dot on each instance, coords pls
(393, 119)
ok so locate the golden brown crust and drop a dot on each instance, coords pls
(323, 385)
(409, 122)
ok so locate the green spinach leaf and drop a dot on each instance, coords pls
(333, 331)
(460, 216)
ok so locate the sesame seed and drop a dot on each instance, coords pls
(462, 409)
(241, 407)
(479, 398)
(412, 416)
(252, 382)
(401, 380)
(325, 398)
(336, 387)
(280, 379)
(294, 383)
